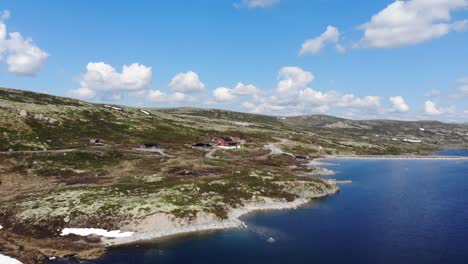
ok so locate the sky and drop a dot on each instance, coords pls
(405, 60)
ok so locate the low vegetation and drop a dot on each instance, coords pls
(52, 176)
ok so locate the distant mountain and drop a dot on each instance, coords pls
(30, 120)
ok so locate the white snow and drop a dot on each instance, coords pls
(144, 112)
(7, 260)
(422, 129)
(95, 231)
(412, 140)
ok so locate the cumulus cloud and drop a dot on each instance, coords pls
(398, 104)
(23, 57)
(223, 94)
(82, 93)
(293, 95)
(404, 23)
(336, 99)
(431, 108)
(245, 89)
(315, 45)
(187, 82)
(101, 78)
(255, 3)
(157, 96)
(292, 78)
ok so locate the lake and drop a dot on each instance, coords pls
(453, 152)
(395, 211)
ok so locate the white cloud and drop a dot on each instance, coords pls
(293, 78)
(82, 93)
(332, 98)
(245, 89)
(411, 22)
(187, 82)
(21, 55)
(248, 105)
(315, 45)
(312, 96)
(102, 78)
(157, 96)
(256, 3)
(366, 102)
(431, 108)
(293, 95)
(398, 104)
(223, 94)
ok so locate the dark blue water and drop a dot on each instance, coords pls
(395, 211)
(453, 152)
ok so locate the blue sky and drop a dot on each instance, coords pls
(195, 53)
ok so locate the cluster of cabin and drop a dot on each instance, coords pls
(235, 142)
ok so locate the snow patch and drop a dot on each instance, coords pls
(144, 112)
(95, 231)
(7, 260)
(412, 140)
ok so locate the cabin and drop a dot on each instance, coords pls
(412, 140)
(226, 143)
(202, 146)
(95, 141)
(150, 146)
(230, 145)
(301, 158)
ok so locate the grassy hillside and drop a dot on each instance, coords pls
(31, 121)
(78, 184)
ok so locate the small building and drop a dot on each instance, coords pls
(201, 146)
(301, 158)
(227, 143)
(150, 146)
(95, 141)
(230, 145)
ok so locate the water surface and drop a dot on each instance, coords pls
(453, 152)
(395, 211)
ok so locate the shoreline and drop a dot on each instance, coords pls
(200, 225)
(389, 157)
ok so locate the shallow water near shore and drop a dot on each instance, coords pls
(395, 211)
(453, 152)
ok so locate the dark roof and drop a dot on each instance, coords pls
(201, 145)
(149, 145)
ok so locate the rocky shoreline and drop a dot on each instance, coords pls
(163, 225)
